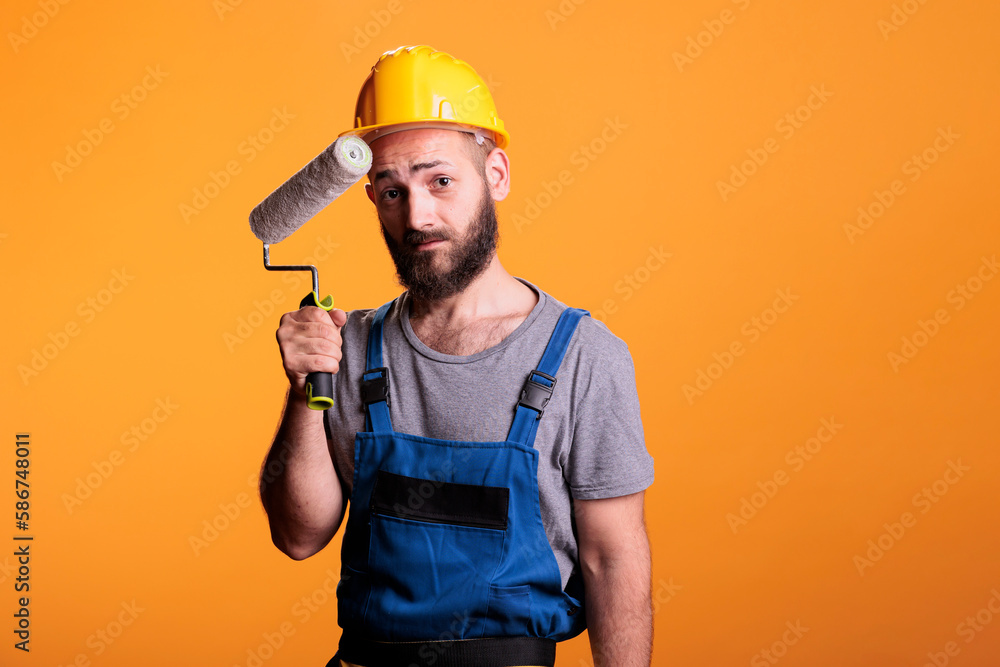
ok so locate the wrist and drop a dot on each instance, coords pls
(298, 405)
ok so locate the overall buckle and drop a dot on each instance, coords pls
(375, 389)
(536, 395)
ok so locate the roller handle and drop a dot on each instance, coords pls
(319, 385)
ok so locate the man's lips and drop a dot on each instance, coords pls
(429, 244)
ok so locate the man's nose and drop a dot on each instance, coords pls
(420, 209)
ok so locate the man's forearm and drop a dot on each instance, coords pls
(619, 611)
(299, 487)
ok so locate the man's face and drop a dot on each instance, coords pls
(438, 215)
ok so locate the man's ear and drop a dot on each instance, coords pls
(370, 191)
(497, 169)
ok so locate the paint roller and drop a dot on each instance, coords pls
(293, 204)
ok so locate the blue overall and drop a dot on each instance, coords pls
(444, 538)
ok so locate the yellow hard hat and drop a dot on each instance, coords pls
(418, 85)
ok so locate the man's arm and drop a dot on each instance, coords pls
(299, 487)
(614, 555)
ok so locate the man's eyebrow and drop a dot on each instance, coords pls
(385, 173)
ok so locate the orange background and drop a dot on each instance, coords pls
(724, 590)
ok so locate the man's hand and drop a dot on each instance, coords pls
(310, 342)
(614, 555)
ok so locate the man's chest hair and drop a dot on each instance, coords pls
(468, 339)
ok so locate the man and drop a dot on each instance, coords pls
(495, 492)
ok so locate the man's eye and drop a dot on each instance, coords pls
(390, 194)
(444, 180)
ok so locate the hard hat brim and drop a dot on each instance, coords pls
(370, 133)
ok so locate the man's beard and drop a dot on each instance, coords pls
(467, 258)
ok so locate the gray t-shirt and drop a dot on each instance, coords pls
(590, 438)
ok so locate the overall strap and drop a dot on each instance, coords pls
(375, 380)
(538, 387)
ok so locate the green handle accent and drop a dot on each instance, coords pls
(312, 299)
(321, 383)
(319, 386)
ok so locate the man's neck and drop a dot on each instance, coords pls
(492, 294)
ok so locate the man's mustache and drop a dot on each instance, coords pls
(414, 237)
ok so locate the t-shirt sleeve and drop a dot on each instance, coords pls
(608, 456)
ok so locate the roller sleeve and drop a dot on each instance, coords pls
(327, 176)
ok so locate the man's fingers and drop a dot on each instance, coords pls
(309, 340)
(317, 346)
(311, 326)
(304, 363)
(310, 314)
(314, 314)
(339, 317)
